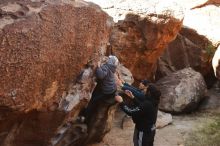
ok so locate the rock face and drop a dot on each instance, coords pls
(189, 49)
(125, 74)
(205, 18)
(181, 91)
(142, 32)
(83, 134)
(47, 50)
(196, 42)
(41, 49)
(97, 125)
(139, 46)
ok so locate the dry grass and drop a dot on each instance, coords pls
(206, 135)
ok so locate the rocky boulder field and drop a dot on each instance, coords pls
(49, 50)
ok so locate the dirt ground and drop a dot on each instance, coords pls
(171, 135)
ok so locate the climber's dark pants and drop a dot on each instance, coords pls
(143, 138)
(97, 96)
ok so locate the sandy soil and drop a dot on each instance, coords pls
(171, 135)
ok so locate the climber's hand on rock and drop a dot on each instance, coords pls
(104, 59)
(99, 64)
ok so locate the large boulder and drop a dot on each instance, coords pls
(44, 48)
(142, 31)
(163, 119)
(47, 58)
(189, 49)
(181, 91)
(133, 36)
(196, 43)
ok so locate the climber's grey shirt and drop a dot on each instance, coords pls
(106, 74)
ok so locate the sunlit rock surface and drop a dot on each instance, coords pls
(142, 31)
(48, 51)
(202, 20)
(45, 48)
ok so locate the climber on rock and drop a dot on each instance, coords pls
(143, 111)
(106, 85)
